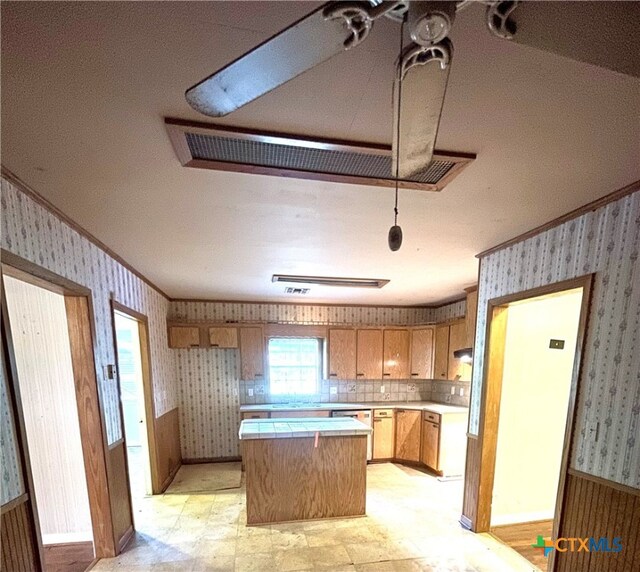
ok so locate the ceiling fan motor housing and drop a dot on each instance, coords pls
(430, 22)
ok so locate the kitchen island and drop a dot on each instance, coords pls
(298, 469)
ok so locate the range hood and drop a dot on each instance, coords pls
(465, 355)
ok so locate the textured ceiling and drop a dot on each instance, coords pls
(85, 88)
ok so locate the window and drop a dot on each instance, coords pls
(295, 366)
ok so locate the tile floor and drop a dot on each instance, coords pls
(411, 524)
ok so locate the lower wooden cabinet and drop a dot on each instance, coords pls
(429, 454)
(383, 434)
(408, 430)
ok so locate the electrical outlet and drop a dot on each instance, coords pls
(453, 390)
(462, 392)
(333, 390)
(235, 392)
(382, 389)
(250, 392)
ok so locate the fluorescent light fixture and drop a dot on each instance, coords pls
(465, 355)
(331, 281)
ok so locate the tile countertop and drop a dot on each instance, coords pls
(441, 408)
(304, 427)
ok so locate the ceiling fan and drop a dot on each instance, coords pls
(596, 32)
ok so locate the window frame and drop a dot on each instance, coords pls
(320, 367)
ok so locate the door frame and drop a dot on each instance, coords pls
(495, 334)
(147, 390)
(82, 338)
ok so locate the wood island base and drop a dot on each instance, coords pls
(289, 479)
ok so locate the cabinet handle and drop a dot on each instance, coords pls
(333, 375)
(258, 375)
(386, 374)
(377, 420)
(215, 345)
(360, 374)
(415, 374)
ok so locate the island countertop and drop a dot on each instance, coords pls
(303, 427)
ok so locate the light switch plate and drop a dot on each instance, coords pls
(462, 392)
(333, 390)
(382, 389)
(453, 390)
(250, 392)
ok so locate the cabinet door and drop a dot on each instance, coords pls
(430, 444)
(369, 354)
(251, 353)
(422, 353)
(396, 354)
(342, 353)
(408, 428)
(441, 355)
(383, 437)
(184, 337)
(457, 369)
(223, 337)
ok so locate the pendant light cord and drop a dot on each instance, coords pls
(395, 207)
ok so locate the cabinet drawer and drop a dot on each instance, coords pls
(430, 416)
(383, 413)
(255, 415)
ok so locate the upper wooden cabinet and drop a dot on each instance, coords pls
(226, 338)
(184, 337)
(422, 353)
(396, 354)
(342, 353)
(471, 315)
(369, 354)
(252, 353)
(457, 341)
(441, 354)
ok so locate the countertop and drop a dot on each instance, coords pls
(305, 427)
(440, 408)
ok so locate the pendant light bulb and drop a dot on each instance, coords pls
(395, 238)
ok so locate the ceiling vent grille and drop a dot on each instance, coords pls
(222, 148)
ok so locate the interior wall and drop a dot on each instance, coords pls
(35, 233)
(536, 383)
(45, 375)
(606, 242)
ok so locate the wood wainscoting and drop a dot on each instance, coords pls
(597, 508)
(18, 547)
(471, 484)
(168, 453)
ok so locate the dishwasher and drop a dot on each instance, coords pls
(361, 415)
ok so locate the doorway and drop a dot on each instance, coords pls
(46, 383)
(532, 364)
(136, 401)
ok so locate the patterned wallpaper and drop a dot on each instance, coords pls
(209, 414)
(11, 485)
(34, 233)
(299, 313)
(449, 312)
(607, 242)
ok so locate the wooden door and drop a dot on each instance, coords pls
(456, 368)
(383, 436)
(430, 444)
(251, 353)
(422, 353)
(342, 353)
(184, 337)
(396, 354)
(223, 337)
(441, 354)
(369, 354)
(408, 429)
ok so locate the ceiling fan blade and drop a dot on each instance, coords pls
(600, 33)
(327, 31)
(417, 104)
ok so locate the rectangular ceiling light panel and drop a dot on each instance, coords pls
(232, 149)
(331, 281)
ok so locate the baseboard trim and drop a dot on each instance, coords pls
(169, 479)
(211, 460)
